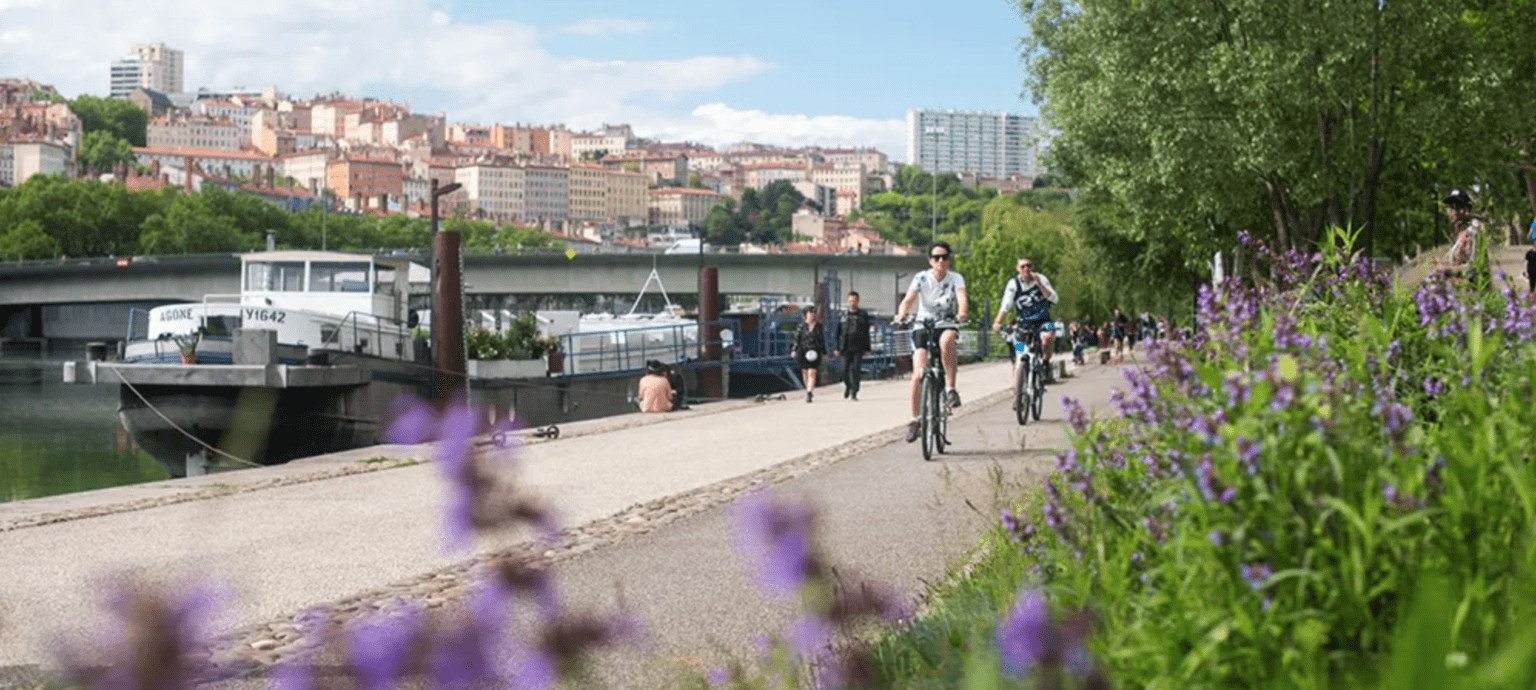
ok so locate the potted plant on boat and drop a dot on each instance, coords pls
(519, 352)
(187, 344)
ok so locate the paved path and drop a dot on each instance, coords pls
(287, 546)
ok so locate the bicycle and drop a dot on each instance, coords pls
(1030, 369)
(933, 406)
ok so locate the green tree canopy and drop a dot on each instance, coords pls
(119, 117)
(1199, 120)
(100, 150)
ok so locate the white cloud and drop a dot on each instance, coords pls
(604, 26)
(494, 71)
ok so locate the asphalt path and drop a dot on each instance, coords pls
(884, 516)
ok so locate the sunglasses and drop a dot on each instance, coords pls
(939, 257)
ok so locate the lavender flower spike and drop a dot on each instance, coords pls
(1024, 636)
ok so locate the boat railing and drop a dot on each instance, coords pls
(379, 328)
(621, 350)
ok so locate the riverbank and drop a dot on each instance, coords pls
(320, 531)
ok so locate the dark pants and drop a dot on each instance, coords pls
(852, 371)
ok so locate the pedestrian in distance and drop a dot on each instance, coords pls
(655, 393)
(853, 343)
(1463, 256)
(1530, 261)
(810, 350)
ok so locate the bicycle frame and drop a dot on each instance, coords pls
(933, 407)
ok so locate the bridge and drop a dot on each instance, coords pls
(91, 299)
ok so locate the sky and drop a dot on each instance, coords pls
(834, 73)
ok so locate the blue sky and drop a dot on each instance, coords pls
(791, 72)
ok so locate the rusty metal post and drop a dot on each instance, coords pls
(447, 317)
(711, 374)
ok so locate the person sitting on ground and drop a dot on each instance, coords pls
(655, 393)
(675, 380)
(1530, 262)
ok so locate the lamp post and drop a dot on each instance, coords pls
(447, 306)
(933, 210)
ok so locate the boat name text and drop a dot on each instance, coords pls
(271, 315)
(182, 314)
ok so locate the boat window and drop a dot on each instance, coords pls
(274, 276)
(332, 276)
(384, 279)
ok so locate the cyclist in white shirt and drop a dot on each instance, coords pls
(937, 293)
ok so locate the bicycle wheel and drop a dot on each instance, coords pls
(1039, 400)
(1022, 391)
(926, 415)
(941, 406)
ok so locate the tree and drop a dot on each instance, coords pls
(27, 240)
(1198, 120)
(101, 150)
(117, 116)
(721, 226)
(694, 181)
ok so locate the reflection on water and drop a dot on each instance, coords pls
(58, 438)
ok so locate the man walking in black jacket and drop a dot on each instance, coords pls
(853, 342)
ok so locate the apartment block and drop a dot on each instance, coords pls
(194, 132)
(760, 175)
(310, 168)
(680, 206)
(227, 164)
(546, 194)
(361, 179)
(237, 112)
(151, 66)
(588, 190)
(987, 144)
(841, 177)
(37, 137)
(658, 170)
(584, 146)
(492, 190)
(627, 201)
(873, 160)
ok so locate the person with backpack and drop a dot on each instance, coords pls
(1030, 296)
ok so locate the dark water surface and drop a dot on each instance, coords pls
(58, 438)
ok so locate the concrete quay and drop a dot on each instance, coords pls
(296, 536)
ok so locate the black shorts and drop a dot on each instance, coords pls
(805, 363)
(920, 336)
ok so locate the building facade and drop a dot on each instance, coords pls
(546, 194)
(627, 201)
(152, 66)
(196, 132)
(223, 163)
(680, 206)
(361, 181)
(987, 144)
(588, 192)
(492, 191)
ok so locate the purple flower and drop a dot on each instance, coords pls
(464, 655)
(1216, 538)
(1256, 574)
(778, 536)
(153, 640)
(379, 648)
(1024, 635)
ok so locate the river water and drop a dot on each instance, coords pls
(58, 438)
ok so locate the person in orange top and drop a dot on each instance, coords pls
(655, 392)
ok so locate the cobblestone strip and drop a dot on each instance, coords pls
(250, 650)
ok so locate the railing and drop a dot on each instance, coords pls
(626, 350)
(373, 346)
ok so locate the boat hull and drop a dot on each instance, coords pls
(264, 425)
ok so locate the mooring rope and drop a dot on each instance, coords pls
(174, 425)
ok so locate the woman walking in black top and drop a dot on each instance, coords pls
(810, 349)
